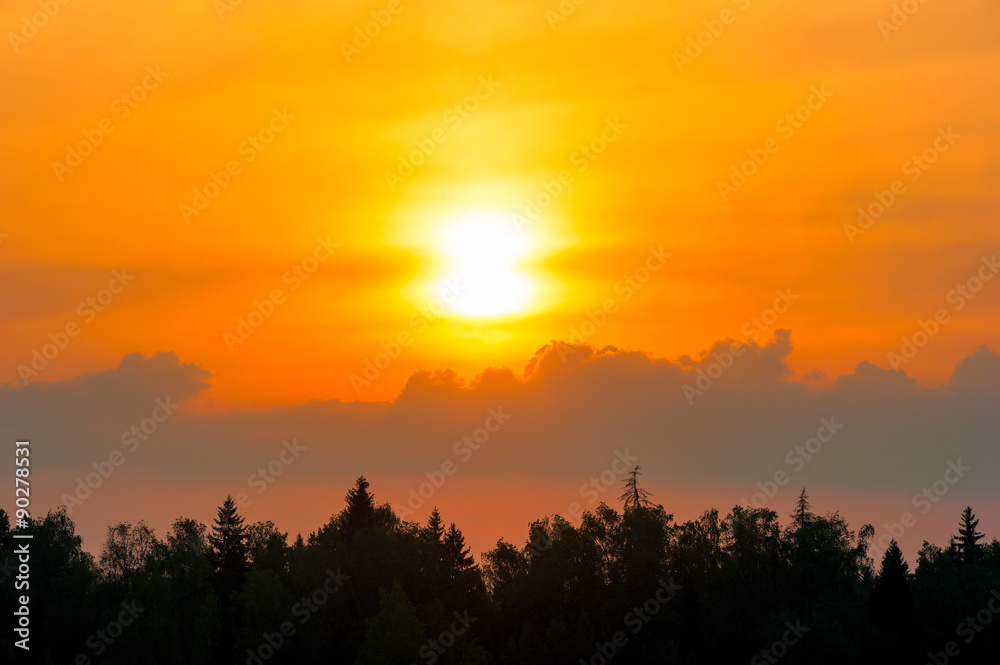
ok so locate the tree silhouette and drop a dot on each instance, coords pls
(229, 555)
(230, 559)
(802, 515)
(709, 590)
(966, 548)
(892, 603)
(634, 496)
(127, 550)
(266, 547)
(434, 531)
(360, 511)
(458, 554)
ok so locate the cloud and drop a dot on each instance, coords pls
(571, 407)
(75, 418)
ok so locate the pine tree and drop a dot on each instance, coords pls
(229, 548)
(360, 511)
(434, 531)
(967, 548)
(230, 558)
(459, 556)
(892, 603)
(802, 515)
(634, 496)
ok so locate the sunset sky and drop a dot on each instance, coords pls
(411, 215)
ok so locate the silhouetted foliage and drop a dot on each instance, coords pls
(229, 553)
(369, 588)
(965, 546)
(360, 511)
(892, 602)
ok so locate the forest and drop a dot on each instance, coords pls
(626, 585)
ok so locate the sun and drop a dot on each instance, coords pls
(482, 254)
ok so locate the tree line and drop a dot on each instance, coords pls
(622, 586)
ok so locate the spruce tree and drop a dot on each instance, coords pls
(230, 558)
(360, 511)
(434, 531)
(892, 603)
(459, 556)
(966, 548)
(229, 554)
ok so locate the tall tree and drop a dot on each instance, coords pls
(229, 553)
(966, 548)
(459, 556)
(634, 496)
(892, 603)
(434, 531)
(230, 558)
(802, 515)
(360, 511)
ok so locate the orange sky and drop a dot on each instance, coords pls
(556, 88)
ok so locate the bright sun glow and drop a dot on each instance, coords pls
(482, 252)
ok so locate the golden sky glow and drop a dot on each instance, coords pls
(226, 143)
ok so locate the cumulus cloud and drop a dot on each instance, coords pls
(570, 406)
